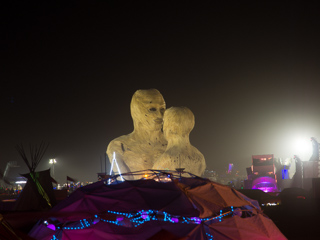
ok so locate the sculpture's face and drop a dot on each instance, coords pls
(147, 109)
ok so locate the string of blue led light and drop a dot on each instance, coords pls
(136, 219)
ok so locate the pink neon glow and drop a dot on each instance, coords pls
(266, 184)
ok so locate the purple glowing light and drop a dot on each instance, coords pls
(51, 226)
(144, 215)
(96, 220)
(265, 184)
(196, 220)
(176, 220)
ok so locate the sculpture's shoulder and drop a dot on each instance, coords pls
(197, 152)
(118, 143)
(121, 139)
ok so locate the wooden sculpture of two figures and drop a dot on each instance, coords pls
(160, 138)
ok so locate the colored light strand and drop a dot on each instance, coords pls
(133, 220)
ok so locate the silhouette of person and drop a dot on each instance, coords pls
(138, 150)
(178, 122)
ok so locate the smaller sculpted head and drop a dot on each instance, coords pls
(178, 121)
(147, 109)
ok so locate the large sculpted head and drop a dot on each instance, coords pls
(147, 109)
(178, 121)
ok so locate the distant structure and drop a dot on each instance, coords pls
(139, 149)
(178, 122)
(287, 168)
(292, 172)
(38, 192)
(315, 150)
(261, 174)
(211, 175)
(298, 176)
(308, 172)
(3, 176)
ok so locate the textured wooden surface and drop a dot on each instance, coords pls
(139, 149)
(148, 147)
(178, 123)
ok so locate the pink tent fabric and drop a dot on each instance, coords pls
(147, 231)
(182, 198)
(198, 233)
(210, 197)
(127, 197)
(42, 232)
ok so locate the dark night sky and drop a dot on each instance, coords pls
(248, 70)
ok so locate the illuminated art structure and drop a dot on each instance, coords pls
(291, 172)
(160, 139)
(262, 175)
(139, 149)
(178, 122)
(114, 162)
(179, 208)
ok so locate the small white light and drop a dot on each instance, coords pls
(52, 161)
(21, 182)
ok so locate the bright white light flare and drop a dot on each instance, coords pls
(303, 148)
